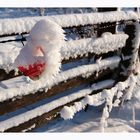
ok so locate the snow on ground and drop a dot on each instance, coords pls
(90, 122)
(121, 120)
(125, 118)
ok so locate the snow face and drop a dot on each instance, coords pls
(47, 36)
(20, 25)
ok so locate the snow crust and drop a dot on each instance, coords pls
(33, 86)
(20, 25)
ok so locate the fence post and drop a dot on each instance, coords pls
(130, 31)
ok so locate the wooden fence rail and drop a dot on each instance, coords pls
(18, 102)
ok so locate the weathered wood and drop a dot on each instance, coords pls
(4, 75)
(128, 49)
(45, 118)
(108, 28)
(11, 74)
(9, 106)
(81, 31)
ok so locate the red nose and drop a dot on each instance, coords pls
(33, 71)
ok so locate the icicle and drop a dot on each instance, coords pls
(132, 84)
(133, 115)
(103, 121)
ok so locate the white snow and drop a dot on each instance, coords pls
(122, 119)
(126, 90)
(47, 36)
(105, 96)
(33, 86)
(15, 82)
(8, 53)
(89, 122)
(69, 49)
(15, 121)
(20, 25)
(103, 44)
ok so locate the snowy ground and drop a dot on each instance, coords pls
(123, 119)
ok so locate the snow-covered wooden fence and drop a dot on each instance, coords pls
(90, 65)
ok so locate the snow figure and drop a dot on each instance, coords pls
(40, 57)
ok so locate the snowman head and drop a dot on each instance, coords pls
(45, 31)
(43, 46)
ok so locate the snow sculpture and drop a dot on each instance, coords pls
(40, 57)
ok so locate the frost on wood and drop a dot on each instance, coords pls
(24, 117)
(30, 128)
(106, 96)
(131, 87)
(8, 53)
(33, 86)
(135, 45)
(104, 44)
(20, 25)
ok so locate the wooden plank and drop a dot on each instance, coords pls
(111, 27)
(81, 31)
(9, 106)
(45, 118)
(11, 74)
(4, 75)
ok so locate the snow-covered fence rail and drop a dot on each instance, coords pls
(24, 25)
(89, 66)
(70, 51)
